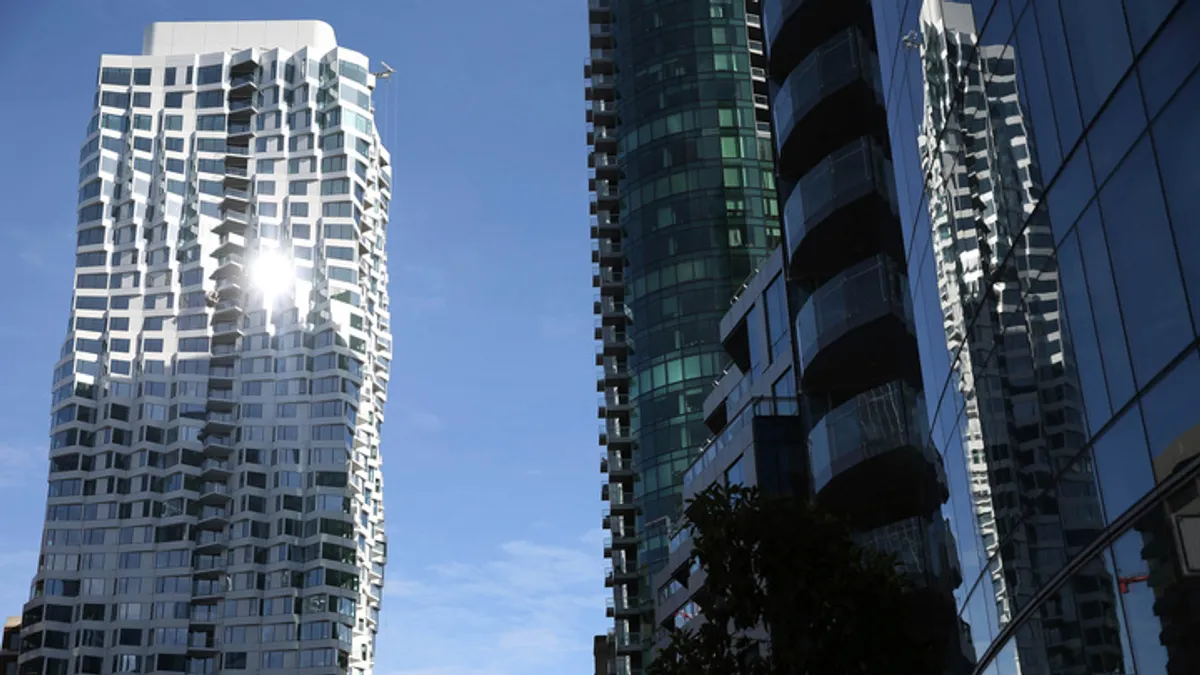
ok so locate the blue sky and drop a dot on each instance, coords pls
(492, 478)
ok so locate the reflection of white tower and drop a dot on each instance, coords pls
(999, 292)
(215, 494)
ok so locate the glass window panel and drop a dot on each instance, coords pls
(1145, 265)
(1170, 407)
(1144, 18)
(1099, 49)
(1035, 96)
(1058, 73)
(1081, 331)
(1122, 121)
(1172, 55)
(1177, 142)
(1109, 331)
(1140, 553)
(1070, 192)
(1123, 463)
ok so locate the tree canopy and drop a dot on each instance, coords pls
(785, 569)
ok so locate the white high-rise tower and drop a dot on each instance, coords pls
(215, 497)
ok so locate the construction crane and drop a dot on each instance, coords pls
(386, 72)
(1124, 582)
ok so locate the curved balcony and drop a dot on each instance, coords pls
(855, 331)
(831, 98)
(841, 211)
(870, 456)
(794, 28)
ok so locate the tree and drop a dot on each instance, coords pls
(784, 569)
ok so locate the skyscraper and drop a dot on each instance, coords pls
(683, 210)
(215, 489)
(1046, 179)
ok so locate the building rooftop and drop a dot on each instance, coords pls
(198, 37)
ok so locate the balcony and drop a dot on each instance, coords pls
(219, 423)
(228, 309)
(614, 341)
(606, 191)
(613, 402)
(841, 211)
(226, 331)
(241, 107)
(235, 198)
(619, 499)
(618, 467)
(239, 129)
(796, 27)
(604, 224)
(228, 265)
(833, 97)
(230, 243)
(607, 251)
(875, 444)
(241, 82)
(214, 493)
(610, 281)
(208, 541)
(856, 330)
(604, 163)
(232, 220)
(611, 372)
(221, 446)
(602, 138)
(216, 469)
(716, 446)
(612, 312)
(213, 516)
(614, 433)
(229, 286)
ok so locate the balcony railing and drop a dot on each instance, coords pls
(759, 407)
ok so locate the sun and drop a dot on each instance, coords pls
(272, 273)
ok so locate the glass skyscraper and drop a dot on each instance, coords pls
(1044, 153)
(684, 210)
(215, 490)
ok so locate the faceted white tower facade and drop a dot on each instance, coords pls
(215, 495)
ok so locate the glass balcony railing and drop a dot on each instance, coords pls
(871, 424)
(870, 290)
(835, 64)
(758, 407)
(848, 174)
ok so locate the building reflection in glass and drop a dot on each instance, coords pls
(999, 293)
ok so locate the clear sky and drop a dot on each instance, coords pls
(491, 465)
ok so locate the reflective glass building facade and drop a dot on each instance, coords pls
(1044, 154)
(683, 211)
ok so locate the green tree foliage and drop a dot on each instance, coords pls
(783, 568)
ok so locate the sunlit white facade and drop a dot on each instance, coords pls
(215, 489)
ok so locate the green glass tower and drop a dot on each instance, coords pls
(683, 212)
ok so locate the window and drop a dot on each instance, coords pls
(208, 74)
(141, 99)
(210, 99)
(735, 474)
(169, 77)
(210, 123)
(141, 76)
(173, 123)
(118, 76)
